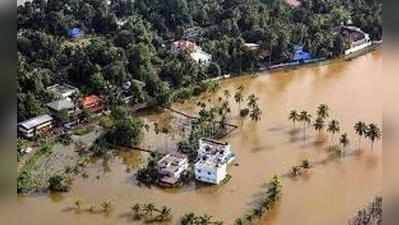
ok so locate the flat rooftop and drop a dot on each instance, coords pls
(36, 121)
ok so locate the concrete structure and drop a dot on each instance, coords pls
(61, 91)
(196, 53)
(171, 167)
(358, 39)
(201, 57)
(62, 105)
(93, 103)
(35, 126)
(213, 159)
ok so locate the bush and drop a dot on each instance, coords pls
(244, 112)
(59, 183)
(65, 139)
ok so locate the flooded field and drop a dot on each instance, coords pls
(330, 193)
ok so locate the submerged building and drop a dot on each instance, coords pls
(212, 161)
(35, 126)
(171, 167)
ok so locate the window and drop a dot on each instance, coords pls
(209, 173)
(199, 171)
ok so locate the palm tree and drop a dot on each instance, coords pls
(107, 206)
(305, 117)
(333, 127)
(373, 133)
(238, 97)
(360, 129)
(322, 111)
(257, 212)
(164, 213)
(149, 209)
(305, 164)
(293, 116)
(319, 124)
(256, 113)
(344, 141)
(226, 94)
(239, 221)
(252, 101)
(249, 218)
(136, 209)
(78, 204)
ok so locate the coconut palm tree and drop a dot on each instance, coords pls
(256, 113)
(305, 164)
(319, 124)
(257, 212)
(305, 118)
(333, 127)
(252, 101)
(344, 141)
(78, 204)
(239, 221)
(226, 94)
(360, 129)
(136, 209)
(149, 209)
(238, 97)
(249, 218)
(293, 116)
(373, 133)
(164, 214)
(106, 206)
(323, 111)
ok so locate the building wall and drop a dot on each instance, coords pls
(208, 174)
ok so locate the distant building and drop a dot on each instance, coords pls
(196, 53)
(171, 167)
(251, 46)
(93, 103)
(35, 126)
(74, 33)
(61, 91)
(62, 105)
(300, 54)
(358, 39)
(213, 159)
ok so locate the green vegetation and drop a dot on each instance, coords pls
(192, 219)
(59, 183)
(26, 182)
(371, 131)
(83, 130)
(129, 41)
(272, 195)
(150, 213)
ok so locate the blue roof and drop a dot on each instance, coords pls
(74, 32)
(300, 54)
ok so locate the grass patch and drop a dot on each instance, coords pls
(26, 180)
(82, 131)
(106, 122)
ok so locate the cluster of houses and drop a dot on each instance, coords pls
(63, 106)
(210, 166)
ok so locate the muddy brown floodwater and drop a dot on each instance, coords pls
(329, 194)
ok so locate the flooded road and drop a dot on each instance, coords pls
(330, 193)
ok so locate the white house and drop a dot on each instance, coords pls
(36, 125)
(171, 167)
(195, 51)
(62, 91)
(213, 159)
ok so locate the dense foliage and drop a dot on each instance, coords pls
(127, 40)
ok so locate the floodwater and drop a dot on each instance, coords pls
(330, 193)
